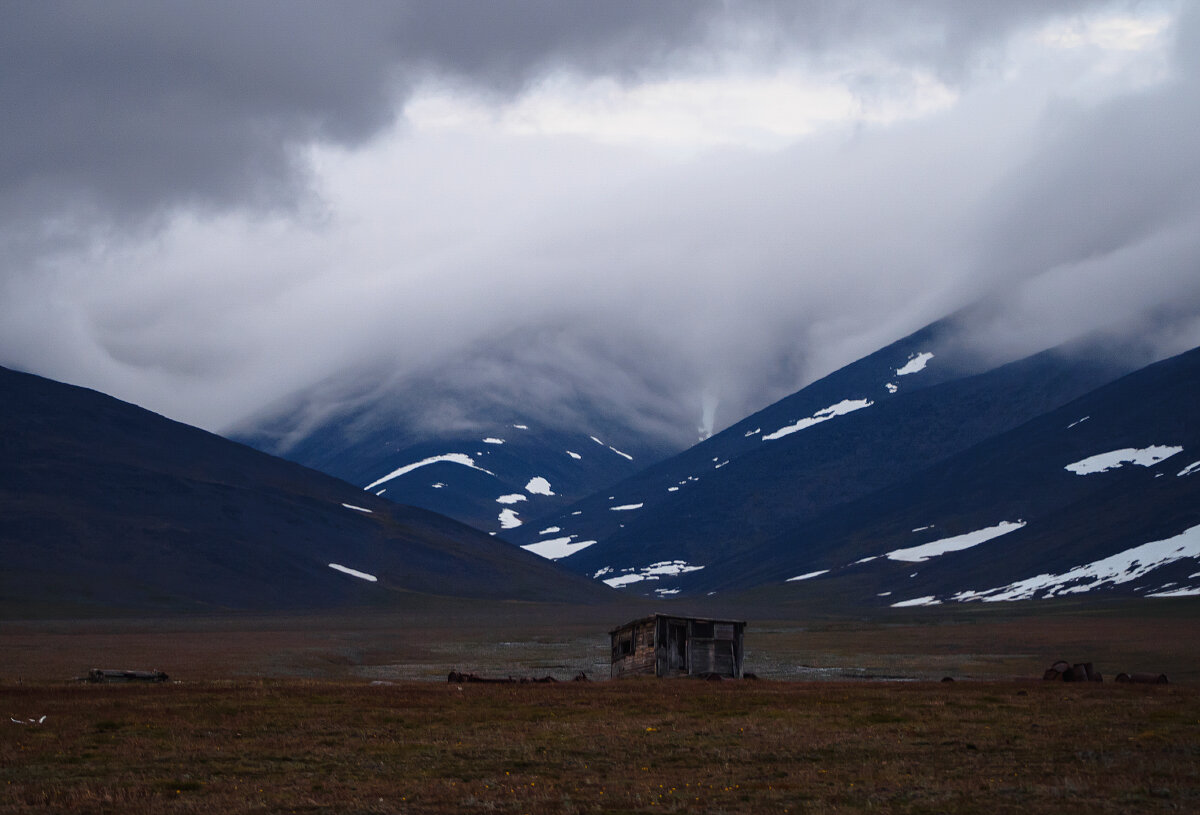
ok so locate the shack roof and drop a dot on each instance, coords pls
(656, 615)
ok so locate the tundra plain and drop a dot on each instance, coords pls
(352, 713)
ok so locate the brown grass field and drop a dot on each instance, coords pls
(338, 714)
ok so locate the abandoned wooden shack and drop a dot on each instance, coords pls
(666, 645)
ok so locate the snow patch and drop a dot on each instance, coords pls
(919, 554)
(655, 571)
(916, 363)
(538, 486)
(918, 601)
(1194, 467)
(511, 499)
(672, 489)
(509, 519)
(1113, 570)
(808, 576)
(521, 426)
(625, 507)
(370, 578)
(550, 530)
(451, 458)
(619, 453)
(1145, 457)
(439, 485)
(573, 455)
(490, 440)
(1078, 421)
(1176, 593)
(358, 509)
(823, 415)
(557, 548)
(892, 387)
(753, 432)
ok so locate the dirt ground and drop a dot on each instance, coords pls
(978, 642)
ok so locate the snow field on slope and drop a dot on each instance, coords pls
(557, 548)
(922, 553)
(823, 415)
(915, 364)
(655, 571)
(1144, 457)
(451, 458)
(1122, 567)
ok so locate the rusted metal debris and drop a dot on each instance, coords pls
(1079, 672)
(1084, 672)
(1143, 678)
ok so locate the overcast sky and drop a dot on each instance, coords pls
(207, 206)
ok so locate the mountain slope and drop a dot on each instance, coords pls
(863, 428)
(104, 504)
(502, 436)
(1100, 495)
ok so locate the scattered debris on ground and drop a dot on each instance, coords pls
(106, 675)
(1084, 672)
(459, 678)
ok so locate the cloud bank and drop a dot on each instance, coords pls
(206, 207)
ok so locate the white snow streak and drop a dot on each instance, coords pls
(625, 507)
(491, 440)
(1078, 421)
(575, 456)
(1145, 457)
(808, 576)
(359, 509)
(919, 554)
(354, 573)
(1176, 593)
(823, 415)
(1194, 467)
(917, 601)
(550, 530)
(915, 364)
(1114, 570)
(452, 458)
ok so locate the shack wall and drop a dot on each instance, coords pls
(638, 657)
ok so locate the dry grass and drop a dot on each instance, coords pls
(319, 737)
(634, 746)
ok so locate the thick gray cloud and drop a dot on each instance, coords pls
(206, 206)
(130, 106)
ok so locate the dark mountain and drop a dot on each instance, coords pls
(1100, 495)
(106, 505)
(869, 426)
(504, 435)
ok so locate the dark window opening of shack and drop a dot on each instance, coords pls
(623, 648)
